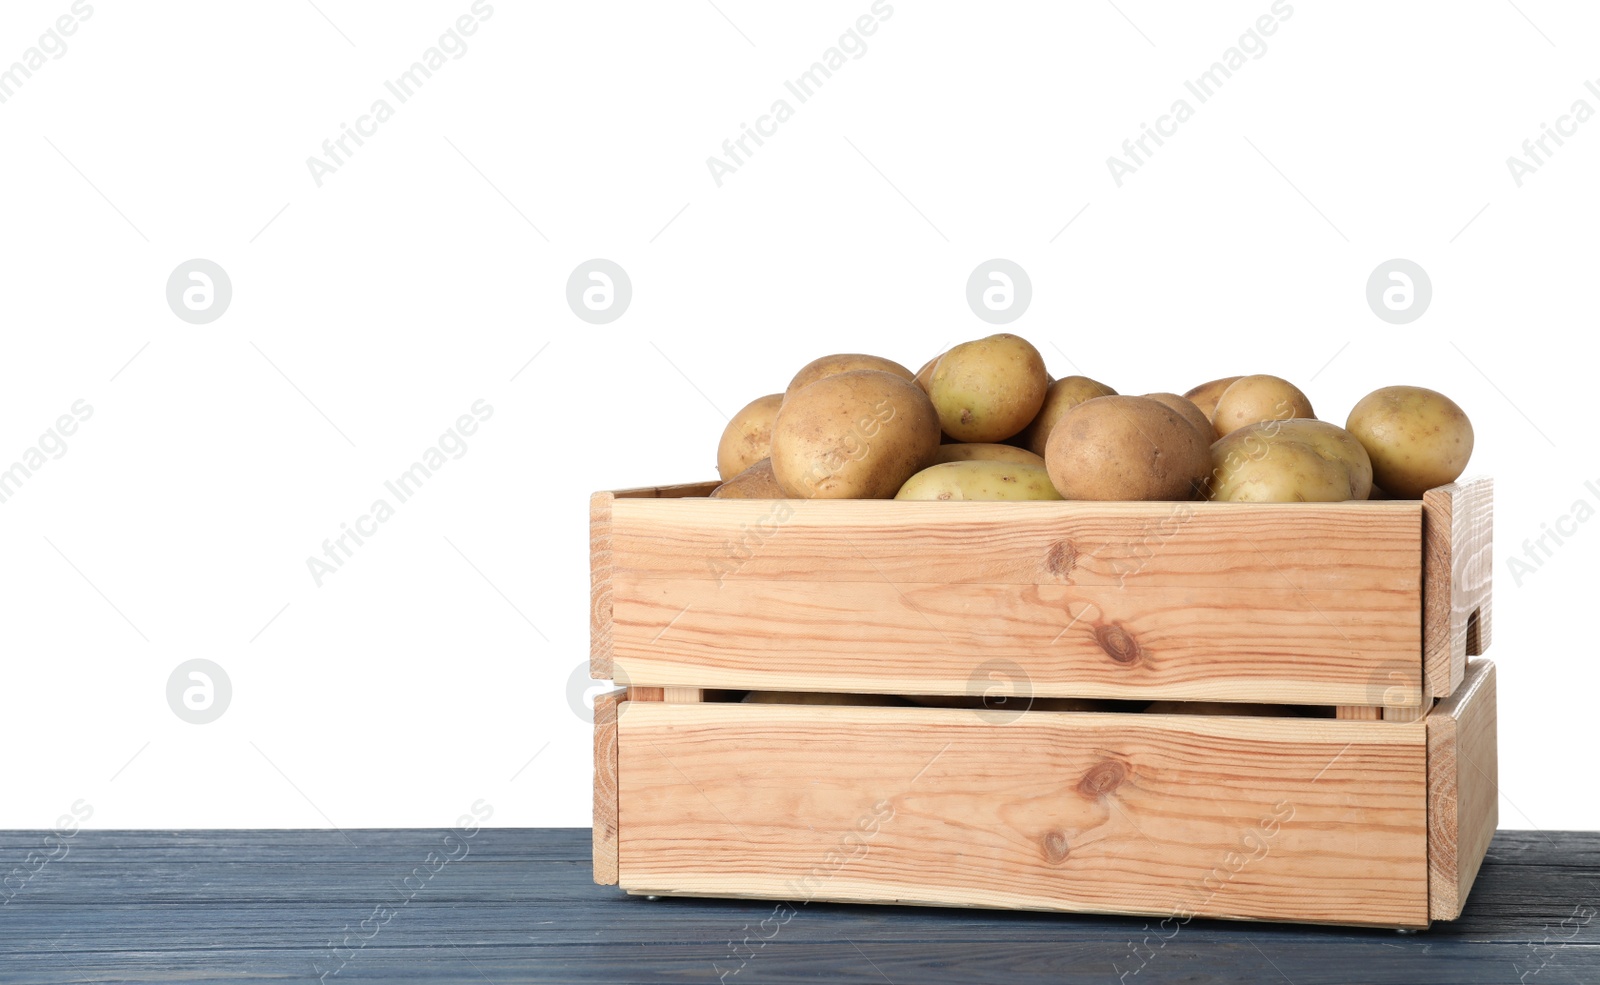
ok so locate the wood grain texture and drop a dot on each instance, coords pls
(1463, 788)
(1458, 561)
(224, 907)
(1251, 818)
(605, 786)
(1287, 603)
(600, 507)
(1359, 713)
(600, 660)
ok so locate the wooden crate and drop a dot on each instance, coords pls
(1376, 813)
(1171, 816)
(1362, 604)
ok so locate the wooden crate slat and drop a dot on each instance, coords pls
(1334, 546)
(605, 787)
(1458, 561)
(1226, 643)
(1463, 788)
(1281, 819)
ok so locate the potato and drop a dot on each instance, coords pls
(979, 480)
(1187, 409)
(820, 698)
(1205, 395)
(855, 435)
(755, 482)
(1126, 448)
(986, 452)
(1252, 399)
(748, 437)
(842, 362)
(1063, 395)
(1418, 439)
(989, 389)
(925, 374)
(1248, 467)
(1330, 441)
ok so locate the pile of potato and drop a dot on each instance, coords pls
(985, 421)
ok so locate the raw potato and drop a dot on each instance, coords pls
(748, 437)
(1063, 395)
(1418, 439)
(1252, 399)
(819, 698)
(755, 482)
(925, 374)
(1249, 468)
(979, 480)
(1186, 407)
(988, 390)
(986, 452)
(1333, 442)
(842, 362)
(1126, 448)
(856, 435)
(1205, 395)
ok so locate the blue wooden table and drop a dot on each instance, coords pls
(518, 905)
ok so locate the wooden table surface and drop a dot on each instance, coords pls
(518, 905)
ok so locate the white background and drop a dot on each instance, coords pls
(425, 273)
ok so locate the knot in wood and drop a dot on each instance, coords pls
(1061, 559)
(1118, 644)
(1055, 847)
(1102, 778)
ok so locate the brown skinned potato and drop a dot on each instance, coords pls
(1063, 395)
(748, 437)
(1253, 399)
(854, 435)
(1205, 395)
(1126, 448)
(842, 362)
(755, 482)
(1417, 438)
(988, 389)
(1186, 407)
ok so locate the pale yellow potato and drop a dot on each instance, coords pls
(1205, 395)
(1133, 448)
(820, 698)
(755, 482)
(986, 451)
(1330, 441)
(988, 389)
(1252, 399)
(1275, 471)
(854, 435)
(979, 480)
(1185, 407)
(1418, 439)
(842, 362)
(1062, 395)
(748, 437)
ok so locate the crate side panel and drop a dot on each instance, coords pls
(1463, 788)
(1171, 816)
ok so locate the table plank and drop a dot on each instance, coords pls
(232, 906)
